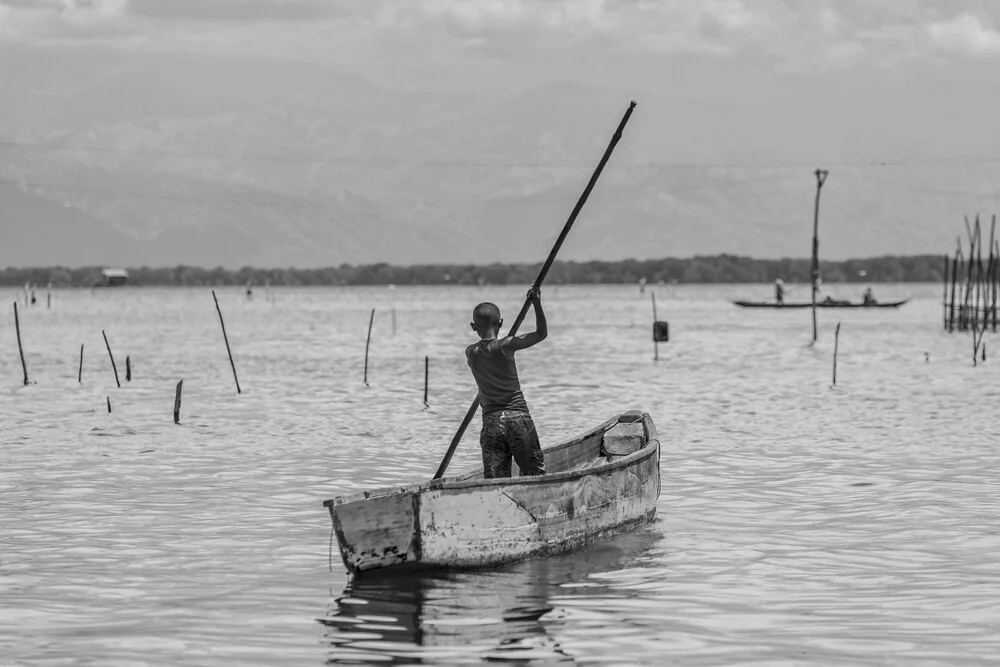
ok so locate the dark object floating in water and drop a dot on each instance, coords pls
(661, 332)
(863, 484)
(147, 451)
(819, 304)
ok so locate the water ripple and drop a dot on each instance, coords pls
(799, 523)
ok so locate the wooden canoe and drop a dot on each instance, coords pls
(819, 304)
(603, 482)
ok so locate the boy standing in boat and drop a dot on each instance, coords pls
(508, 430)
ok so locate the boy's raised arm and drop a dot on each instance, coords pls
(541, 331)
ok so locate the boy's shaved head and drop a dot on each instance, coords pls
(485, 315)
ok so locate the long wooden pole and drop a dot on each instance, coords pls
(79, 376)
(427, 375)
(226, 338)
(977, 259)
(996, 281)
(541, 277)
(944, 300)
(17, 328)
(967, 295)
(954, 282)
(821, 175)
(987, 279)
(113, 366)
(368, 342)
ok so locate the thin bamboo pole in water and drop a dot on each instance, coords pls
(944, 300)
(656, 345)
(226, 338)
(820, 179)
(368, 343)
(836, 344)
(20, 350)
(113, 366)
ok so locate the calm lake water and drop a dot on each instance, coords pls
(798, 523)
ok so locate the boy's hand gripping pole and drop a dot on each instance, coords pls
(541, 277)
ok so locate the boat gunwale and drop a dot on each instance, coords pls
(464, 480)
(645, 451)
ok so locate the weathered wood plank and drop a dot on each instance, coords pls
(378, 532)
(623, 439)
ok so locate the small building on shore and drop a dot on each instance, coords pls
(115, 277)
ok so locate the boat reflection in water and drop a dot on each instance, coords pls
(437, 617)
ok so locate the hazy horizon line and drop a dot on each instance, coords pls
(203, 267)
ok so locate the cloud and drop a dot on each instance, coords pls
(839, 33)
(966, 34)
(240, 10)
(24, 20)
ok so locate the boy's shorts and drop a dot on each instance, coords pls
(506, 434)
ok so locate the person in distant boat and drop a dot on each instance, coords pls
(779, 290)
(869, 297)
(508, 430)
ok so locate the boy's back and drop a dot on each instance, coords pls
(495, 372)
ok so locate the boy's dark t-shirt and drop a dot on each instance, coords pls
(496, 375)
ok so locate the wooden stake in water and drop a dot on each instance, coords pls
(955, 271)
(368, 342)
(836, 344)
(128, 369)
(79, 376)
(945, 300)
(821, 175)
(656, 345)
(113, 366)
(427, 366)
(17, 327)
(109, 405)
(996, 281)
(226, 338)
(177, 402)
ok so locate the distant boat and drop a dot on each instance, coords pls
(603, 482)
(829, 302)
(832, 303)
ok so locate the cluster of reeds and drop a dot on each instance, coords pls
(972, 285)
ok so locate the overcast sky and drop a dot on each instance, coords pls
(897, 97)
(441, 43)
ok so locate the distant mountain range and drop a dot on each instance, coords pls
(161, 159)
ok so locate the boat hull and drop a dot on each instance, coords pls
(595, 489)
(819, 304)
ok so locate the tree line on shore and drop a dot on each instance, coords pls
(701, 269)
